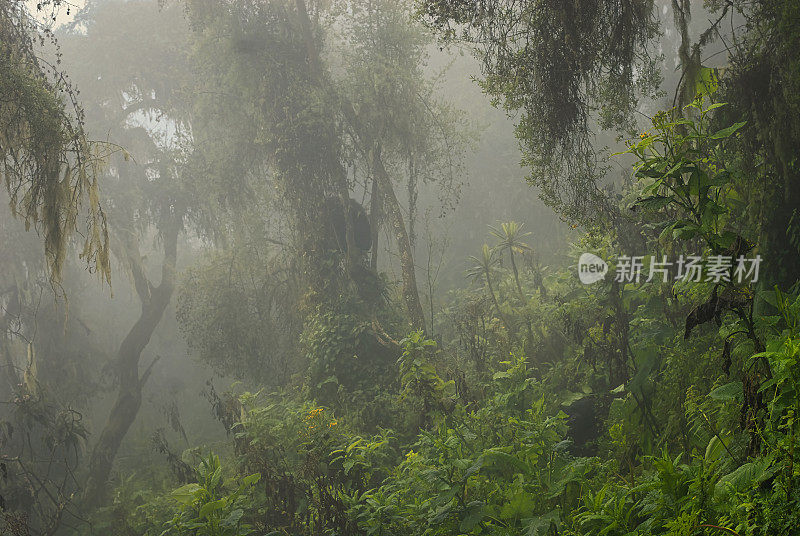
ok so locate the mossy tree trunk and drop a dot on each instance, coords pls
(384, 182)
(392, 205)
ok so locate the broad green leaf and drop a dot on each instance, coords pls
(685, 231)
(707, 81)
(186, 494)
(208, 508)
(251, 479)
(474, 514)
(726, 132)
(715, 448)
(714, 107)
(746, 476)
(540, 526)
(729, 391)
(504, 462)
(215, 476)
(654, 202)
(232, 519)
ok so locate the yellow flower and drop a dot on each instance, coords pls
(313, 413)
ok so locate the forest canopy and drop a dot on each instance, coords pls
(415, 268)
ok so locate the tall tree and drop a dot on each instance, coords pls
(392, 114)
(763, 84)
(563, 66)
(314, 120)
(129, 63)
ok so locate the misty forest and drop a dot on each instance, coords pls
(399, 267)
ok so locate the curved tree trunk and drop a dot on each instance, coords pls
(129, 397)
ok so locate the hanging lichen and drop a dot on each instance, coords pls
(47, 165)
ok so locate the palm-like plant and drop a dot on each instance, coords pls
(511, 238)
(482, 269)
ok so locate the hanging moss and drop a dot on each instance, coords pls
(46, 163)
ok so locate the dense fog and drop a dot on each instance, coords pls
(399, 267)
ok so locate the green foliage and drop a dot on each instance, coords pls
(344, 353)
(540, 406)
(554, 65)
(682, 165)
(501, 463)
(48, 166)
(212, 506)
(231, 307)
(309, 460)
(496, 470)
(40, 446)
(423, 391)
